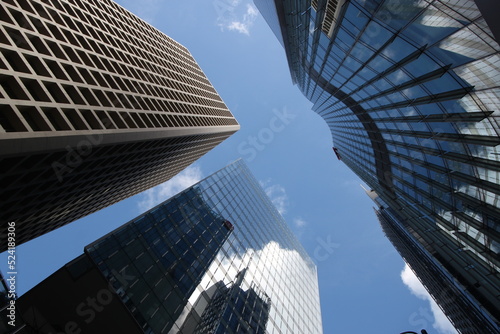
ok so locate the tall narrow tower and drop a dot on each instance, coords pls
(96, 105)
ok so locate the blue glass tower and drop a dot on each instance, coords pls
(410, 91)
(216, 258)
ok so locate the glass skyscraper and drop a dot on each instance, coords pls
(410, 91)
(96, 105)
(216, 258)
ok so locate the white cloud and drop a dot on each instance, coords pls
(231, 20)
(164, 191)
(239, 27)
(258, 262)
(299, 222)
(441, 322)
(277, 194)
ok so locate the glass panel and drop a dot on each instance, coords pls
(431, 26)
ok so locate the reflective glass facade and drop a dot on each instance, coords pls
(451, 295)
(232, 307)
(167, 251)
(216, 258)
(410, 91)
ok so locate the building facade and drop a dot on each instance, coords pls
(216, 258)
(410, 91)
(96, 106)
(232, 307)
(466, 313)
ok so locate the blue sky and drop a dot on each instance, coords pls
(364, 285)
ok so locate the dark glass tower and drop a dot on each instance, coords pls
(167, 255)
(410, 91)
(96, 106)
(216, 258)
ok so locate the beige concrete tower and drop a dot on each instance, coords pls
(96, 105)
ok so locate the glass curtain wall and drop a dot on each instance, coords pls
(410, 90)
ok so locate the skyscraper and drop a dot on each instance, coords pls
(96, 106)
(216, 258)
(410, 92)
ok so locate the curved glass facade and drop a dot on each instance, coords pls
(410, 91)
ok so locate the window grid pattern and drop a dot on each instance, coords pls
(97, 106)
(89, 66)
(410, 91)
(256, 274)
(233, 310)
(168, 250)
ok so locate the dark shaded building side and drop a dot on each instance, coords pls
(75, 299)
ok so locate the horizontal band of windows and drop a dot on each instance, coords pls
(476, 116)
(477, 182)
(456, 137)
(408, 59)
(445, 205)
(445, 96)
(477, 161)
(413, 82)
